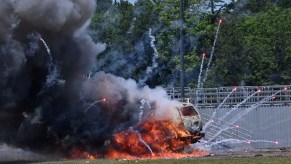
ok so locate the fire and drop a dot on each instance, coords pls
(153, 139)
(149, 140)
(78, 154)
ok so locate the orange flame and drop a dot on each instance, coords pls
(150, 140)
(78, 154)
(163, 139)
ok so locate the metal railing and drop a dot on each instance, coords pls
(213, 97)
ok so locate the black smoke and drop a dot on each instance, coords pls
(47, 103)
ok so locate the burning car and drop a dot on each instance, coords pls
(190, 120)
(159, 137)
(153, 136)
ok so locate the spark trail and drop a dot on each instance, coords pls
(201, 69)
(219, 106)
(243, 113)
(154, 60)
(94, 103)
(199, 78)
(211, 54)
(236, 141)
(238, 105)
(48, 51)
(144, 108)
(143, 141)
(53, 73)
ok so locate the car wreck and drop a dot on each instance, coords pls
(190, 120)
(159, 136)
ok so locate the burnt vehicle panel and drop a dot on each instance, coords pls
(191, 120)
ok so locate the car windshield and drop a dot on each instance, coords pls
(188, 111)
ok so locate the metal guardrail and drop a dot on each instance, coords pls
(213, 97)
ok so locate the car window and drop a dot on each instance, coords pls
(188, 111)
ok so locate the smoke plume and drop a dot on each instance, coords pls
(47, 104)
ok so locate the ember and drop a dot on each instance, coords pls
(78, 154)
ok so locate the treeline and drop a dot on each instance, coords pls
(253, 45)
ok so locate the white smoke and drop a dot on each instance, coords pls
(115, 89)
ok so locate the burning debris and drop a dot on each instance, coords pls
(48, 106)
(153, 138)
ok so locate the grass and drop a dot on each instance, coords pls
(217, 160)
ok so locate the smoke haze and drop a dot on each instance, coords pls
(47, 104)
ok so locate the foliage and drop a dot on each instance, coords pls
(255, 50)
(253, 46)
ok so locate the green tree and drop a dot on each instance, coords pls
(253, 46)
(255, 50)
(261, 5)
(169, 38)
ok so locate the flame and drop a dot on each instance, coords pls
(154, 139)
(79, 154)
(149, 140)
